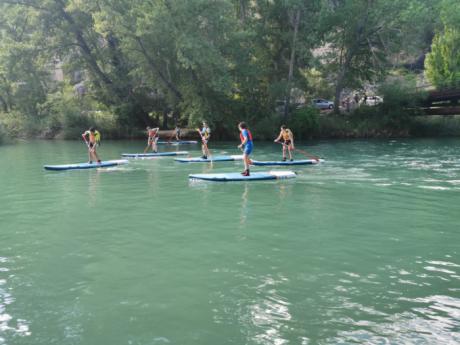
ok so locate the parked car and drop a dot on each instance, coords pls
(322, 104)
(373, 100)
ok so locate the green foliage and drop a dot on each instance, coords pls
(266, 128)
(396, 113)
(19, 125)
(223, 61)
(443, 62)
(67, 116)
(435, 126)
(3, 134)
(304, 122)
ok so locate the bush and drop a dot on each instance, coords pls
(435, 126)
(18, 125)
(304, 122)
(267, 128)
(2, 134)
(67, 116)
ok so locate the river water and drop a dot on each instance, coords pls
(362, 249)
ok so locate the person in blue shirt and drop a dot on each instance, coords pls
(246, 146)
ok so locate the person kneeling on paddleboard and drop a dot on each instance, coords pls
(205, 134)
(152, 139)
(246, 146)
(92, 138)
(288, 143)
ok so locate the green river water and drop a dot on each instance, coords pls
(362, 249)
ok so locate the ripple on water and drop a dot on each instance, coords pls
(9, 325)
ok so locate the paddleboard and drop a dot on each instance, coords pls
(255, 176)
(153, 154)
(177, 142)
(103, 164)
(210, 159)
(295, 162)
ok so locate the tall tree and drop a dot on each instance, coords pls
(360, 36)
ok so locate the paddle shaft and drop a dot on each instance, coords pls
(303, 152)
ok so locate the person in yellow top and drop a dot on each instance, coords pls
(92, 138)
(288, 141)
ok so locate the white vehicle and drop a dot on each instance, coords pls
(374, 100)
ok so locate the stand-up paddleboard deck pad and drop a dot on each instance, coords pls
(175, 142)
(254, 176)
(209, 159)
(295, 162)
(153, 154)
(104, 164)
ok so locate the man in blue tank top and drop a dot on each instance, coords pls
(246, 146)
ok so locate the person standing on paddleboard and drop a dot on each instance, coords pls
(177, 133)
(92, 138)
(205, 134)
(152, 139)
(288, 143)
(246, 146)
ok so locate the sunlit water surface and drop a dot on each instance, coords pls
(361, 249)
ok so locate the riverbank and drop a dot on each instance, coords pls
(304, 126)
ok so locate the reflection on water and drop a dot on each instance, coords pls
(9, 325)
(244, 205)
(269, 314)
(403, 318)
(93, 181)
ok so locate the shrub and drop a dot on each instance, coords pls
(18, 125)
(304, 122)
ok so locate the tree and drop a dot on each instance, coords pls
(360, 36)
(442, 64)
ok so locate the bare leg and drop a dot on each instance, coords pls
(95, 155)
(247, 162)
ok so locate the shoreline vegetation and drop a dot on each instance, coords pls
(316, 126)
(66, 66)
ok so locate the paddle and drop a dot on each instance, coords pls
(309, 155)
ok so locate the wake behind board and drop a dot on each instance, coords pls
(153, 154)
(295, 162)
(209, 159)
(103, 164)
(255, 176)
(177, 142)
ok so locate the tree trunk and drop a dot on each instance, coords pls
(291, 66)
(154, 66)
(86, 50)
(242, 10)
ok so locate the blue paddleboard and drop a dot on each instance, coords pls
(103, 164)
(255, 176)
(153, 154)
(295, 162)
(209, 159)
(177, 142)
